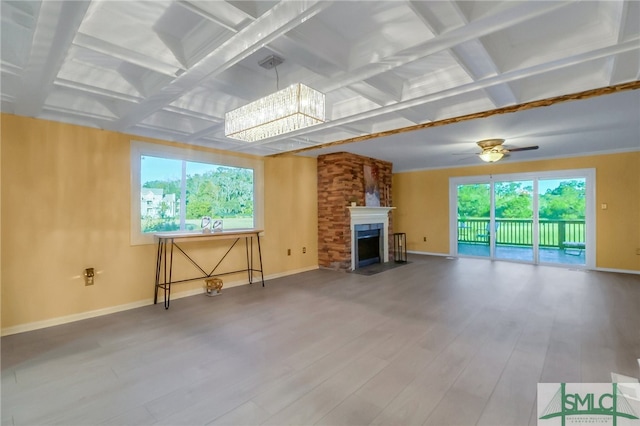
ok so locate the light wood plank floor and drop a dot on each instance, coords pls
(433, 342)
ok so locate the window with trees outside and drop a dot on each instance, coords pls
(175, 189)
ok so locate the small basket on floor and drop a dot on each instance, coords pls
(213, 286)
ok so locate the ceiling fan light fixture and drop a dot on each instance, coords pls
(491, 155)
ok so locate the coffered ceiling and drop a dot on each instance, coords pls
(171, 69)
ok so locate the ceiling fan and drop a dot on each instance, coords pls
(492, 149)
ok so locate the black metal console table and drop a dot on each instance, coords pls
(169, 240)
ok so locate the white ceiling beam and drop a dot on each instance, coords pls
(57, 24)
(281, 19)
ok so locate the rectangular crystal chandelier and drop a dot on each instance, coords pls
(296, 107)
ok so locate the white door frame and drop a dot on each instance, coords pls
(590, 209)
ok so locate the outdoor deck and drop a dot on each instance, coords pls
(561, 241)
(547, 255)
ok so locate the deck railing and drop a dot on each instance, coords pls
(518, 232)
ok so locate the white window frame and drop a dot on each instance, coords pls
(140, 149)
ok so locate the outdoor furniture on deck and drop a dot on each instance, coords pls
(574, 248)
(486, 236)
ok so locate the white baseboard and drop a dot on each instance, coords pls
(426, 253)
(292, 272)
(620, 271)
(36, 325)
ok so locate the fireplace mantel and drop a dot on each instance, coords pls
(361, 215)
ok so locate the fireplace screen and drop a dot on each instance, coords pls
(369, 244)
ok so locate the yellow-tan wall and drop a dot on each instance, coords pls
(291, 219)
(422, 201)
(65, 206)
(65, 197)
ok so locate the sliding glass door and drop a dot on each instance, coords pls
(562, 214)
(544, 218)
(473, 219)
(514, 220)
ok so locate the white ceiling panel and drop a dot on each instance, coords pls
(19, 21)
(82, 104)
(131, 27)
(576, 78)
(466, 103)
(171, 121)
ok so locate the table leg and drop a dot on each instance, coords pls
(167, 284)
(158, 269)
(260, 257)
(249, 258)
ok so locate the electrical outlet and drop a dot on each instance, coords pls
(89, 275)
(288, 252)
(304, 250)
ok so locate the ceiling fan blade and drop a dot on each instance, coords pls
(524, 148)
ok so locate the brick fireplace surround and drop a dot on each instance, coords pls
(341, 177)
